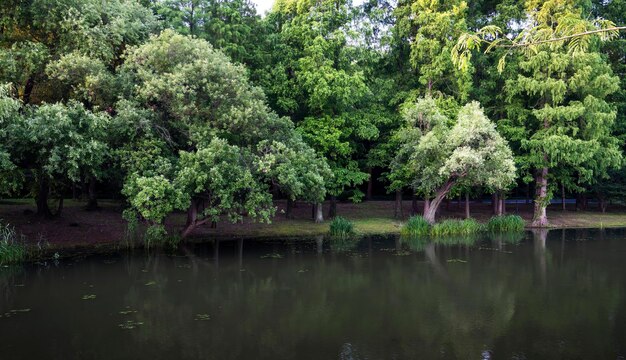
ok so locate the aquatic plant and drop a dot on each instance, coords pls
(12, 247)
(132, 225)
(456, 227)
(506, 223)
(416, 225)
(341, 227)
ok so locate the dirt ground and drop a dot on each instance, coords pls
(79, 227)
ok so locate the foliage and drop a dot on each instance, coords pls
(450, 227)
(416, 226)
(12, 248)
(437, 156)
(341, 227)
(506, 223)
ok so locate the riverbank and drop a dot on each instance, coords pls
(79, 228)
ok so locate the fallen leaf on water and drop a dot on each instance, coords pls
(89, 297)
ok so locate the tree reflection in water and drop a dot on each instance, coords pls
(499, 297)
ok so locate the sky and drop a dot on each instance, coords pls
(263, 5)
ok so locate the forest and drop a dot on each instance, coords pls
(209, 109)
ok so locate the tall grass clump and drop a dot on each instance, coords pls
(341, 227)
(12, 248)
(416, 226)
(506, 223)
(456, 227)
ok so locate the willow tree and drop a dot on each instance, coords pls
(442, 153)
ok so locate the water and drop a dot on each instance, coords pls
(560, 298)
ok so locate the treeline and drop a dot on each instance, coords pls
(207, 107)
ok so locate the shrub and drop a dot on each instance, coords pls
(506, 223)
(12, 249)
(456, 227)
(341, 227)
(416, 226)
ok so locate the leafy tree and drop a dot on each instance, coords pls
(37, 33)
(440, 155)
(212, 130)
(432, 27)
(10, 175)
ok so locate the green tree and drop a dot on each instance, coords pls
(439, 154)
(36, 33)
(10, 174)
(211, 129)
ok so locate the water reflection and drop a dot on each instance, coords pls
(312, 300)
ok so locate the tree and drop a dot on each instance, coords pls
(37, 33)
(10, 174)
(432, 27)
(62, 144)
(209, 131)
(441, 155)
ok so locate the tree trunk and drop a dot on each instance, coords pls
(430, 214)
(494, 203)
(467, 206)
(502, 206)
(42, 198)
(92, 202)
(332, 211)
(28, 90)
(289, 210)
(426, 205)
(527, 193)
(602, 203)
(59, 207)
(319, 215)
(397, 212)
(562, 197)
(414, 209)
(540, 217)
(370, 186)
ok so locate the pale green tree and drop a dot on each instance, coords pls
(439, 153)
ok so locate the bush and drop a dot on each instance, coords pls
(341, 227)
(416, 226)
(506, 223)
(456, 227)
(12, 249)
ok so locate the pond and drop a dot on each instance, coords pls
(556, 295)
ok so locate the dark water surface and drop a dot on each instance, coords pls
(563, 297)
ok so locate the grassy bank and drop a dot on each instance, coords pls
(78, 228)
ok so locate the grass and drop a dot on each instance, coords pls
(341, 227)
(416, 225)
(506, 223)
(12, 249)
(450, 227)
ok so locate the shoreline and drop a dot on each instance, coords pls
(105, 229)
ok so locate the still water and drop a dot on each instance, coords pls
(556, 295)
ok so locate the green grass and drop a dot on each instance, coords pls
(506, 223)
(12, 249)
(341, 227)
(416, 226)
(451, 227)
